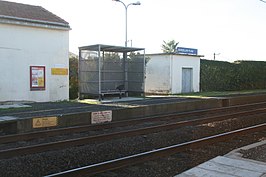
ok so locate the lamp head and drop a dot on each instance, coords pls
(136, 3)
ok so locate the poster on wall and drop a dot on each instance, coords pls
(59, 71)
(37, 77)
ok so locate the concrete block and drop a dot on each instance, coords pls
(7, 118)
(200, 172)
(8, 125)
(242, 164)
(247, 99)
(224, 168)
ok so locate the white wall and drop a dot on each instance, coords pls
(179, 62)
(22, 47)
(164, 73)
(157, 74)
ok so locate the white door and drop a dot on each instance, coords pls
(187, 80)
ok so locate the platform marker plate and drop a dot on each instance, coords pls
(44, 122)
(101, 116)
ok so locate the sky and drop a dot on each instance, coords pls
(232, 29)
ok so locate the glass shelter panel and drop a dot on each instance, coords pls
(105, 69)
(112, 71)
(135, 72)
(88, 72)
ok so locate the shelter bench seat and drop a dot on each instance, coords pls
(113, 92)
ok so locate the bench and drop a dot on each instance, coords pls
(113, 92)
(120, 90)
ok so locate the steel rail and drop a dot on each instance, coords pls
(54, 132)
(150, 155)
(129, 133)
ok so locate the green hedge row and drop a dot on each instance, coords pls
(225, 76)
(73, 77)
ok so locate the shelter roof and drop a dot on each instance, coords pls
(110, 48)
(29, 13)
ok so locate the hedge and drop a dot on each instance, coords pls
(73, 77)
(225, 76)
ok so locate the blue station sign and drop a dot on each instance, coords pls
(188, 51)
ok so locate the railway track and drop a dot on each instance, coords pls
(194, 119)
(172, 122)
(150, 155)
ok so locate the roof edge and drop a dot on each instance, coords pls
(172, 53)
(10, 19)
(110, 48)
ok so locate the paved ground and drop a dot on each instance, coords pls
(27, 109)
(233, 164)
(14, 105)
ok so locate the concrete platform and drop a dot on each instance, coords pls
(13, 105)
(77, 113)
(230, 165)
(22, 117)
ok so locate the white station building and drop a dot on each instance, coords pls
(34, 50)
(173, 73)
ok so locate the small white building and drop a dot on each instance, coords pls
(171, 73)
(34, 48)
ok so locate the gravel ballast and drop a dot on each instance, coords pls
(55, 161)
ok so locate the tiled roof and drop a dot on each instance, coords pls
(30, 13)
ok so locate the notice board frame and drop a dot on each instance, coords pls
(37, 78)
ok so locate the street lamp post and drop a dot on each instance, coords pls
(215, 54)
(126, 6)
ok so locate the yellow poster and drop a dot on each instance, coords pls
(59, 71)
(41, 82)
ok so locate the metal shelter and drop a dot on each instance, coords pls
(111, 70)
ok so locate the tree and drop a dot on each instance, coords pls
(169, 47)
(73, 76)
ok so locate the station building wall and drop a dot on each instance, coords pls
(22, 47)
(165, 73)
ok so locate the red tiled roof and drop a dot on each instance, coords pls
(29, 12)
